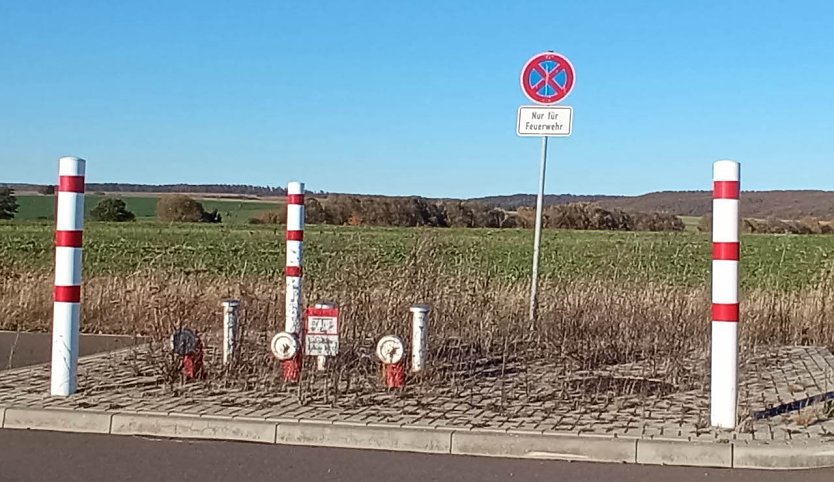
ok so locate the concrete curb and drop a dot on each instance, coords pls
(541, 446)
(510, 444)
(193, 427)
(60, 420)
(364, 437)
(783, 457)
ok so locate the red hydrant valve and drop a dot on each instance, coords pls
(286, 348)
(391, 352)
(187, 344)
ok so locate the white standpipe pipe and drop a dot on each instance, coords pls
(230, 318)
(419, 336)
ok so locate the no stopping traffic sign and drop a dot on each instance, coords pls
(547, 78)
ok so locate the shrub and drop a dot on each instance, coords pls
(8, 203)
(179, 208)
(314, 212)
(269, 217)
(211, 217)
(657, 222)
(48, 190)
(813, 224)
(111, 209)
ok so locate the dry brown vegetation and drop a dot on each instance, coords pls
(479, 325)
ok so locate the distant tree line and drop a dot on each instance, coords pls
(239, 189)
(514, 201)
(594, 217)
(415, 211)
(118, 187)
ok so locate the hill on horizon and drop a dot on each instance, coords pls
(788, 204)
(784, 204)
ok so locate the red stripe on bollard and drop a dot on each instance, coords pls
(69, 239)
(68, 294)
(725, 312)
(293, 271)
(726, 251)
(71, 184)
(295, 235)
(295, 199)
(725, 189)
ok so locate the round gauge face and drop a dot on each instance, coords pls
(284, 346)
(390, 349)
(183, 341)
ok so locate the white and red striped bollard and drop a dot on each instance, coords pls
(291, 368)
(725, 289)
(69, 230)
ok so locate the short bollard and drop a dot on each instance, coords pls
(186, 343)
(230, 317)
(419, 336)
(391, 352)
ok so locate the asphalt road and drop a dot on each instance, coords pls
(23, 349)
(41, 456)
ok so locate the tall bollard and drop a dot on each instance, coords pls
(230, 317)
(419, 336)
(725, 288)
(291, 369)
(69, 230)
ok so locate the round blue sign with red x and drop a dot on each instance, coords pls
(547, 78)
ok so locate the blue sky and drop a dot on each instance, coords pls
(416, 97)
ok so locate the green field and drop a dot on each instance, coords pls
(37, 207)
(781, 262)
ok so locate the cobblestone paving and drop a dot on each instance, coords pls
(786, 394)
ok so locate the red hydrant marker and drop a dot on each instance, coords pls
(391, 352)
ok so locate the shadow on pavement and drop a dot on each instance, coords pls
(18, 349)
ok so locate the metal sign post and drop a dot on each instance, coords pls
(547, 78)
(537, 241)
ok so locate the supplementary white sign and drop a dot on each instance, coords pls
(321, 345)
(544, 121)
(322, 337)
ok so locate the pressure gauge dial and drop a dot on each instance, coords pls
(390, 349)
(284, 346)
(183, 341)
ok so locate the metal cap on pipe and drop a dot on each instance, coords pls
(420, 308)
